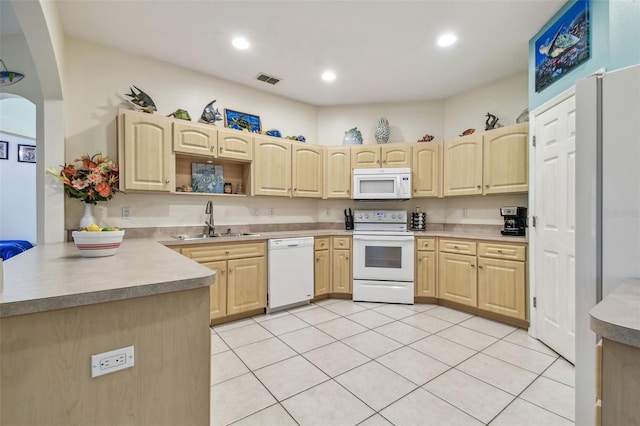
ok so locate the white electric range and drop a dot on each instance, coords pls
(383, 257)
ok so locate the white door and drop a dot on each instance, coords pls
(554, 233)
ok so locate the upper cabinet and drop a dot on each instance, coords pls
(462, 174)
(338, 172)
(376, 156)
(199, 139)
(307, 169)
(272, 166)
(426, 169)
(144, 150)
(235, 145)
(493, 162)
(506, 160)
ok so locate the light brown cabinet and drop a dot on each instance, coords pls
(506, 160)
(341, 265)
(338, 172)
(375, 156)
(144, 151)
(322, 266)
(241, 276)
(272, 166)
(426, 167)
(462, 164)
(307, 174)
(457, 278)
(235, 145)
(199, 139)
(426, 269)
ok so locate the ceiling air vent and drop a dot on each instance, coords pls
(268, 78)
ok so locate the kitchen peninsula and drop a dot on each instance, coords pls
(57, 309)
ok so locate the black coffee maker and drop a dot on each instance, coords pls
(515, 220)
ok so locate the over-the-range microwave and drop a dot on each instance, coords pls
(382, 184)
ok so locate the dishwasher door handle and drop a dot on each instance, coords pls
(293, 245)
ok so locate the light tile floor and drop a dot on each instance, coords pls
(338, 362)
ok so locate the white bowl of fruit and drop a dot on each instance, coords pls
(94, 241)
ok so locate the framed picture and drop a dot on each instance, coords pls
(26, 153)
(563, 46)
(241, 120)
(4, 150)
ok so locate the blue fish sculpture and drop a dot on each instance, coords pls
(210, 114)
(8, 78)
(141, 101)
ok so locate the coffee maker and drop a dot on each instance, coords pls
(515, 220)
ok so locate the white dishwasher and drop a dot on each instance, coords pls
(290, 280)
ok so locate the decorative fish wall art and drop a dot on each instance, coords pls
(7, 78)
(141, 101)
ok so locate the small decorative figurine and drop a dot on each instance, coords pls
(210, 114)
(492, 122)
(352, 137)
(468, 132)
(141, 101)
(382, 131)
(426, 138)
(273, 132)
(523, 117)
(181, 114)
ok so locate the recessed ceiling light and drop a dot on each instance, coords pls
(240, 43)
(447, 40)
(328, 76)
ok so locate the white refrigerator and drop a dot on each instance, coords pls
(607, 207)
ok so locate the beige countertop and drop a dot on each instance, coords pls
(55, 276)
(617, 316)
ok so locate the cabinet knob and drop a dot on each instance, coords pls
(486, 186)
(499, 251)
(347, 191)
(221, 271)
(220, 149)
(480, 266)
(472, 265)
(455, 247)
(317, 259)
(226, 252)
(230, 270)
(167, 180)
(479, 186)
(420, 260)
(385, 161)
(347, 257)
(415, 190)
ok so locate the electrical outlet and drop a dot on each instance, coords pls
(465, 212)
(111, 361)
(271, 212)
(327, 211)
(126, 213)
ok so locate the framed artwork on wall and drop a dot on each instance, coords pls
(241, 120)
(4, 150)
(565, 45)
(26, 153)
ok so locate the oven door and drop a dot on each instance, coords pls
(376, 187)
(383, 257)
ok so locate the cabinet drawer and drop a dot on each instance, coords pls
(428, 244)
(213, 252)
(458, 246)
(502, 251)
(321, 243)
(341, 243)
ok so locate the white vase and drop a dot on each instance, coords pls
(382, 131)
(87, 218)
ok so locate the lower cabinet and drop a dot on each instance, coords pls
(241, 276)
(426, 283)
(485, 275)
(332, 273)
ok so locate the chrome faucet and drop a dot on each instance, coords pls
(209, 210)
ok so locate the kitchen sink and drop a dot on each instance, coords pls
(191, 237)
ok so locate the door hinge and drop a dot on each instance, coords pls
(534, 140)
(535, 302)
(534, 220)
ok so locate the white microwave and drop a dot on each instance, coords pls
(382, 184)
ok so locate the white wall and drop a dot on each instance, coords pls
(96, 78)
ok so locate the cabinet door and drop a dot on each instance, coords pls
(322, 283)
(341, 271)
(396, 155)
(338, 173)
(195, 139)
(148, 160)
(235, 145)
(218, 291)
(463, 166)
(307, 170)
(501, 287)
(426, 169)
(365, 156)
(272, 167)
(426, 274)
(457, 278)
(246, 285)
(506, 160)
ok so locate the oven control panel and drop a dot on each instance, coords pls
(380, 216)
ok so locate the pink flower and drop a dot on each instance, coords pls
(79, 184)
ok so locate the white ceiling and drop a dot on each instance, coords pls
(381, 51)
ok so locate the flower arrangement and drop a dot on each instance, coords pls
(95, 180)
